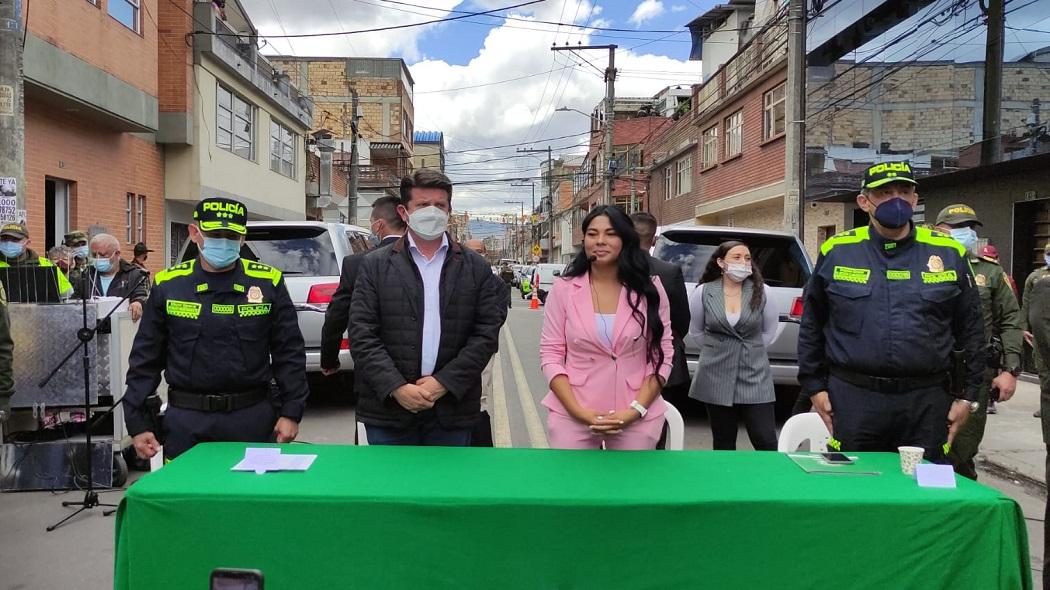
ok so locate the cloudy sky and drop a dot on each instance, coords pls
(514, 81)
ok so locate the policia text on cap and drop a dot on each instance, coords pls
(220, 328)
(885, 309)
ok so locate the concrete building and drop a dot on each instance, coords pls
(429, 150)
(232, 125)
(565, 213)
(91, 109)
(385, 116)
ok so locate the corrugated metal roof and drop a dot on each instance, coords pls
(428, 137)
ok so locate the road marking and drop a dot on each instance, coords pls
(501, 436)
(533, 424)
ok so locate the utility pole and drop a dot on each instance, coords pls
(550, 193)
(795, 132)
(355, 167)
(521, 220)
(991, 145)
(12, 111)
(610, 98)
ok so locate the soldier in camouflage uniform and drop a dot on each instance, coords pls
(77, 242)
(1002, 326)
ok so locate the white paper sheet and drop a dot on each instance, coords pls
(930, 475)
(270, 459)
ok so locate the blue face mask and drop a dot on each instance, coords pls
(80, 251)
(966, 236)
(11, 249)
(103, 265)
(894, 213)
(220, 252)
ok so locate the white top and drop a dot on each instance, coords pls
(770, 319)
(430, 270)
(104, 282)
(605, 323)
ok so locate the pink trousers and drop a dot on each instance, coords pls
(566, 433)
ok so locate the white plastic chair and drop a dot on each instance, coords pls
(802, 428)
(362, 436)
(675, 428)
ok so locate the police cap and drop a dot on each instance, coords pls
(14, 230)
(887, 172)
(218, 213)
(957, 214)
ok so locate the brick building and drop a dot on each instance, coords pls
(231, 123)
(386, 115)
(91, 96)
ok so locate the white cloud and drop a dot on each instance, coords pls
(646, 11)
(493, 115)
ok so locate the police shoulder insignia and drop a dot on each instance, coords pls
(981, 280)
(935, 264)
(255, 295)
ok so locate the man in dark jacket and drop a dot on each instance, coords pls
(388, 226)
(424, 322)
(110, 276)
(674, 284)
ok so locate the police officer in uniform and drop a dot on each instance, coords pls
(1035, 321)
(885, 308)
(220, 327)
(1001, 326)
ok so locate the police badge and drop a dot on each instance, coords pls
(981, 280)
(935, 264)
(255, 295)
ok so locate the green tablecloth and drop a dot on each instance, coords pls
(436, 518)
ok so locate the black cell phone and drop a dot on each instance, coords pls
(836, 458)
(236, 579)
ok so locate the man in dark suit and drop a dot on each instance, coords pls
(677, 386)
(388, 227)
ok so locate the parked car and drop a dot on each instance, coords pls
(785, 269)
(544, 278)
(310, 255)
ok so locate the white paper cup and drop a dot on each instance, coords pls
(910, 457)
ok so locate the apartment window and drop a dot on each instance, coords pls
(668, 183)
(282, 149)
(234, 123)
(684, 175)
(135, 217)
(129, 216)
(775, 112)
(126, 12)
(710, 147)
(734, 134)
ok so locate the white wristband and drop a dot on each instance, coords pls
(642, 411)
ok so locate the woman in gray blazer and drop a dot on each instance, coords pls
(733, 325)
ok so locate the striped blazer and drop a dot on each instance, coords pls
(734, 366)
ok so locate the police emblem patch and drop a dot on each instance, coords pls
(935, 264)
(255, 295)
(981, 280)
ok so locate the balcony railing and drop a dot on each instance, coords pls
(378, 175)
(763, 53)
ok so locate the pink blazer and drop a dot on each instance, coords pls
(601, 379)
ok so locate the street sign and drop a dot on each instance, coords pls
(536, 250)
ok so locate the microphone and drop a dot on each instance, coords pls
(592, 258)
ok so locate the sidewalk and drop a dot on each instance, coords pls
(1013, 439)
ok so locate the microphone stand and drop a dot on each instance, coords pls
(85, 335)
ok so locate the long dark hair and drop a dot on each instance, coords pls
(713, 272)
(632, 267)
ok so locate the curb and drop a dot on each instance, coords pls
(1001, 471)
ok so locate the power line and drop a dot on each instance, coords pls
(376, 29)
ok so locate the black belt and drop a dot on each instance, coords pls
(216, 402)
(890, 384)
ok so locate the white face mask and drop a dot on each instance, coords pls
(738, 272)
(428, 222)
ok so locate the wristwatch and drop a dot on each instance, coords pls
(637, 407)
(974, 406)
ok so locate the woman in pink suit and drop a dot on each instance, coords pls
(606, 342)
